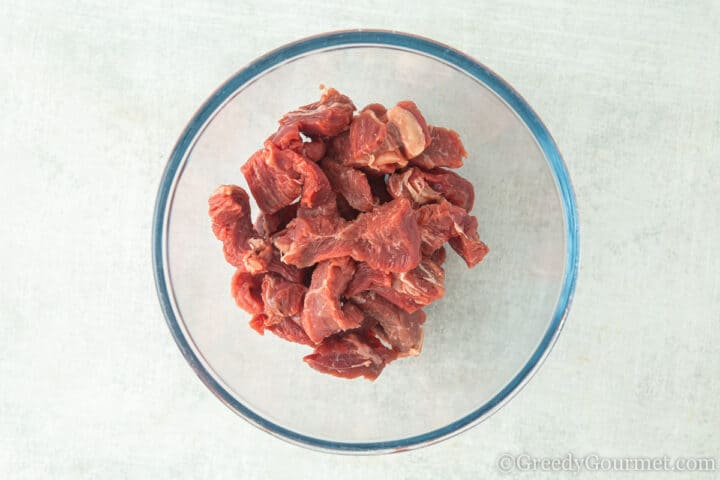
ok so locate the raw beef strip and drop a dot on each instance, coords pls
(386, 238)
(230, 214)
(290, 273)
(288, 137)
(439, 256)
(402, 330)
(367, 278)
(386, 159)
(452, 186)
(445, 150)
(322, 313)
(430, 186)
(281, 297)
(378, 109)
(352, 184)
(408, 290)
(367, 134)
(328, 117)
(268, 223)
(351, 355)
(246, 290)
(411, 126)
(284, 328)
(276, 178)
(468, 244)
(273, 181)
(314, 149)
(440, 222)
(412, 185)
(417, 288)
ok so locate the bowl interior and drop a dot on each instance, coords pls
(477, 338)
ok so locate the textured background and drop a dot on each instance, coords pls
(93, 96)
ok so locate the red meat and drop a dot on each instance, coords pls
(452, 186)
(276, 178)
(445, 150)
(431, 186)
(386, 158)
(351, 355)
(230, 214)
(367, 278)
(268, 223)
(408, 290)
(386, 238)
(314, 149)
(352, 184)
(281, 297)
(401, 329)
(367, 134)
(411, 184)
(328, 117)
(246, 290)
(444, 221)
(322, 313)
(285, 328)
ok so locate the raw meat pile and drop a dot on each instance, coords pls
(348, 248)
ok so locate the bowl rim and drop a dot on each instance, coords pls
(388, 39)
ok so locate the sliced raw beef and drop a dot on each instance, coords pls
(351, 355)
(385, 159)
(288, 137)
(378, 109)
(468, 244)
(367, 278)
(412, 185)
(328, 117)
(386, 238)
(285, 328)
(440, 222)
(431, 186)
(276, 178)
(281, 297)
(289, 272)
(314, 149)
(348, 247)
(445, 150)
(230, 214)
(273, 181)
(367, 134)
(452, 186)
(411, 126)
(352, 184)
(322, 313)
(439, 256)
(268, 223)
(402, 330)
(408, 290)
(246, 289)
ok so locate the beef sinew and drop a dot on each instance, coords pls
(348, 246)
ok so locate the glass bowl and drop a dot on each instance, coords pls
(497, 321)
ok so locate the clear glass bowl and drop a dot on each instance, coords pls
(497, 321)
